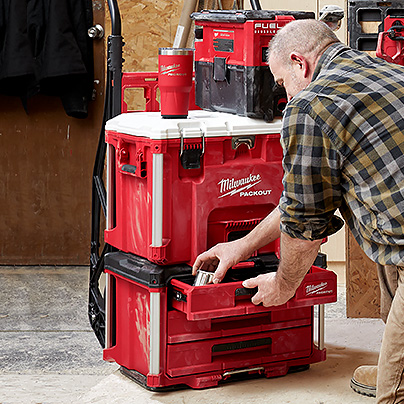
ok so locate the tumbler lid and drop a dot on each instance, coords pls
(176, 51)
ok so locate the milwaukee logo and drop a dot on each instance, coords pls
(232, 186)
(172, 70)
(319, 289)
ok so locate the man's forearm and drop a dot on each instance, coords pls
(297, 256)
(276, 288)
(265, 232)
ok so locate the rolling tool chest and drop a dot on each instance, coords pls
(161, 329)
(175, 187)
(165, 333)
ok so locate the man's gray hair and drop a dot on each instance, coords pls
(302, 36)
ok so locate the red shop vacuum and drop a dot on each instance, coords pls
(231, 70)
(174, 188)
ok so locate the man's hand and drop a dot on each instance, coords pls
(221, 257)
(272, 291)
(275, 289)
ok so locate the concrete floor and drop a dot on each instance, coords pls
(49, 354)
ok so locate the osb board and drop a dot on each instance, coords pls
(362, 285)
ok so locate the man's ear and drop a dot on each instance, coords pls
(301, 63)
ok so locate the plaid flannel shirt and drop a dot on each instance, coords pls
(343, 147)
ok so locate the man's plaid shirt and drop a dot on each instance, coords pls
(344, 149)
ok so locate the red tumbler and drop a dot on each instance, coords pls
(175, 81)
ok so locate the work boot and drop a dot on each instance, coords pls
(364, 380)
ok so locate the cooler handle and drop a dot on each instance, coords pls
(237, 141)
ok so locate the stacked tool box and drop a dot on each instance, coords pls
(182, 185)
(164, 332)
(175, 188)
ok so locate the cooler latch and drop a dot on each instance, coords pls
(191, 153)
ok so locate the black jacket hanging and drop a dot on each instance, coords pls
(63, 51)
(45, 48)
(16, 62)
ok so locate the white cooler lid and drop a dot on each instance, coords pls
(211, 124)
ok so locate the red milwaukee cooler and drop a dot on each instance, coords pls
(231, 71)
(177, 187)
(165, 333)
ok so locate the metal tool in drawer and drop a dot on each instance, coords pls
(203, 278)
(252, 267)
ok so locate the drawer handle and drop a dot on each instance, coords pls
(234, 346)
(236, 372)
(129, 168)
(245, 291)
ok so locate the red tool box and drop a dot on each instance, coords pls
(164, 332)
(231, 71)
(179, 186)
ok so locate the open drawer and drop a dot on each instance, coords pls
(319, 286)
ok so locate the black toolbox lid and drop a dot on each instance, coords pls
(241, 16)
(142, 271)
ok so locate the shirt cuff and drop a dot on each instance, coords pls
(311, 229)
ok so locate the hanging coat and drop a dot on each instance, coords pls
(63, 51)
(16, 62)
(45, 48)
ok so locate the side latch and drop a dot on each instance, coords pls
(219, 69)
(179, 296)
(191, 154)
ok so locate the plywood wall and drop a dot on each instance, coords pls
(146, 26)
(362, 287)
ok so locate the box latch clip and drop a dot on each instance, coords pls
(191, 154)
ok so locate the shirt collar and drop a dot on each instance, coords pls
(328, 56)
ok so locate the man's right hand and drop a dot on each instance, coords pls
(221, 257)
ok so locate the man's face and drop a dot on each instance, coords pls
(290, 77)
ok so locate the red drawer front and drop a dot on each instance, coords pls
(182, 330)
(230, 299)
(224, 354)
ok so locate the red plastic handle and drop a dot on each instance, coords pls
(244, 264)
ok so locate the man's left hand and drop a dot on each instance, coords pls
(271, 290)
